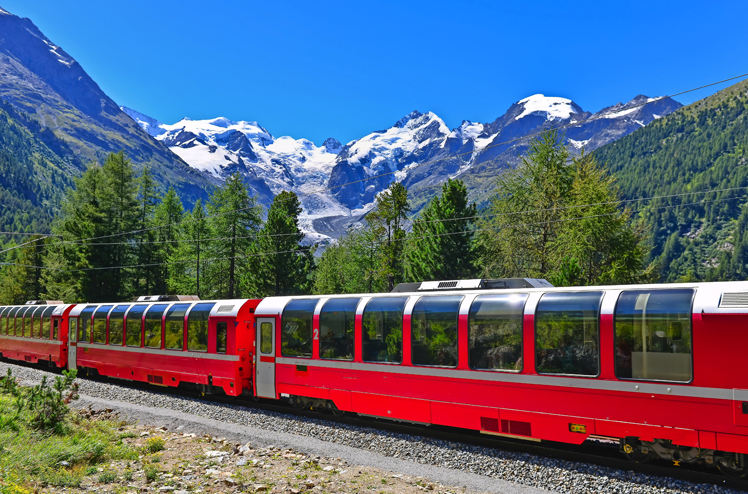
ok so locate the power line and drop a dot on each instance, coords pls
(411, 167)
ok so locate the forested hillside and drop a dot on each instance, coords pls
(698, 156)
(33, 178)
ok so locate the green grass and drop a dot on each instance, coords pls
(31, 458)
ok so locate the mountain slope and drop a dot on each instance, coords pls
(699, 148)
(39, 78)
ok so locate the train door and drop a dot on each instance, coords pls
(265, 364)
(73, 346)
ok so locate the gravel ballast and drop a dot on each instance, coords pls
(475, 467)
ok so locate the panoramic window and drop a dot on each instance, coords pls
(495, 332)
(36, 326)
(653, 335)
(174, 327)
(221, 330)
(434, 331)
(99, 324)
(84, 330)
(296, 328)
(153, 326)
(46, 318)
(117, 325)
(12, 321)
(567, 333)
(4, 320)
(26, 322)
(134, 325)
(383, 329)
(197, 328)
(337, 320)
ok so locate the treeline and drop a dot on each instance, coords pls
(555, 217)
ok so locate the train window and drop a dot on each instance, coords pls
(12, 321)
(153, 326)
(117, 325)
(33, 317)
(46, 317)
(174, 333)
(38, 323)
(84, 331)
(567, 334)
(221, 329)
(296, 328)
(434, 331)
(653, 335)
(495, 332)
(197, 327)
(266, 338)
(337, 320)
(99, 324)
(383, 330)
(134, 325)
(4, 320)
(26, 322)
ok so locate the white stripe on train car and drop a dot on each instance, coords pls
(671, 389)
(26, 338)
(156, 351)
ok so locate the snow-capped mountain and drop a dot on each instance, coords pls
(338, 184)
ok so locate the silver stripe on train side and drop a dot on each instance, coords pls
(26, 338)
(155, 351)
(513, 378)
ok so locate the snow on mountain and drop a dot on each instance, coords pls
(554, 108)
(338, 184)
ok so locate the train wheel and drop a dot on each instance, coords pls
(733, 466)
(637, 452)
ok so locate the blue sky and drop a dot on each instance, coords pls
(343, 69)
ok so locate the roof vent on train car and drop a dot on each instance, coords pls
(734, 299)
(44, 302)
(166, 298)
(477, 284)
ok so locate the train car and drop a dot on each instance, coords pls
(660, 368)
(167, 342)
(35, 332)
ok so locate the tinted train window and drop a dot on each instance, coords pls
(383, 329)
(46, 318)
(197, 327)
(495, 332)
(434, 331)
(174, 328)
(337, 320)
(266, 338)
(26, 331)
(221, 330)
(117, 325)
(567, 333)
(134, 325)
(296, 328)
(4, 320)
(35, 318)
(153, 326)
(84, 334)
(12, 321)
(99, 324)
(653, 335)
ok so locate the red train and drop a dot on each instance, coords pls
(658, 367)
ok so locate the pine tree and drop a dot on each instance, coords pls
(168, 216)
(387, 222)
(146, 250)
(21, 279)
(352, 265)
(280, 264)
(440, 244)
(235, 221)
(187, 262)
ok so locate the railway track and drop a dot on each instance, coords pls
(591, 452)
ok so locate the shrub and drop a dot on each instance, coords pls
(151, 472)
(155, 444)
(107, 476)
(49, 405)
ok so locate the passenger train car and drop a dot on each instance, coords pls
(660, 368)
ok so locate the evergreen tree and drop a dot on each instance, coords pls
(387, 222)
(280, 264)
(440, 244)
(187, 261)
(352, 265)
(235, 221)
(168, 216)
(146, 274)
(21, 279)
